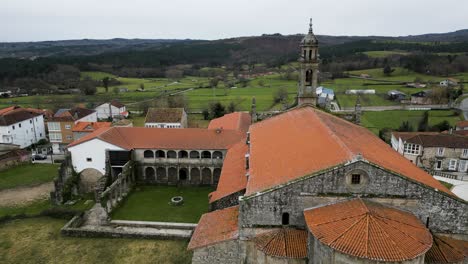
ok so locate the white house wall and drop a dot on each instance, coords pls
(89, 118)
(95, 150)
(103, 111)
(31, 131)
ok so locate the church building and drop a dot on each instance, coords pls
(308, 187)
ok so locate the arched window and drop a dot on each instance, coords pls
(285, 219)
(148, 154)
(171, 154)
(206, 155)
(183, 174)
(217, 155)
(160, 154)
(309, 78)
(150, 174)
(183, 154)
(194, 154)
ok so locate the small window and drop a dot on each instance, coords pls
(440, 152)
(462, 166)
(285, 219)
(465, 153)
(67, 126)
(30, 121)
(13, 127)
(438, 165)
(19, 125)
(89, 159)
(69, 137)
(452, 164)
(356, 179)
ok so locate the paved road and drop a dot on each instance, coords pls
(24, 195)
(460, 188)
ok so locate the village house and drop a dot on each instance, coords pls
(81, 129)
(422, 97)
(396, 95)
(21, 126)
(434, 151)
(448, 82)
(113, 109)
(324, 96)
(166, 118)
(61, 124)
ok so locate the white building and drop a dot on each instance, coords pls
(21, 126)
(166, 118)
(114, 109)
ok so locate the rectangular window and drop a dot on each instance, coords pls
(440, 152)
(69, 137)
(462, 166)
(55, 137)
(67, 126)
(89, 159)
(465, 153)
(412, 149)
(53, 126)
(356, 179)
(30, 121)
(19, 125)
(438, 165)
(13, 127)
(453, 165)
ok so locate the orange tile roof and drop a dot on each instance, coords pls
(233, 178)
(236, 121)
(89, 126)
(215, 227)
(462, 124)
(164, 138)
(369, 230)
(8, 109)
(447, 250)
(305, 141)
(283, 243)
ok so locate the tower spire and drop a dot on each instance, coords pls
(310, 26)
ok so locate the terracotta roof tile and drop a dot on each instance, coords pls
(215, 227)
(305, 141)
(164, 138)
(117, 104)
(233, 178)
(164, 115)
(462, 124)
(283, 243)
(235, 121)
(369, 230)
(447, 250)
(13, 115)
(89, 126)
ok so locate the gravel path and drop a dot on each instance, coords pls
(24, 195)
(460, 188)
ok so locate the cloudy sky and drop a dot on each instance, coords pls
(34, 20)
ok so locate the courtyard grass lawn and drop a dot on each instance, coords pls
(27, 175)
(38, 240)
(152, 203)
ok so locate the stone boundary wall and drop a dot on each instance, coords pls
(227, 201)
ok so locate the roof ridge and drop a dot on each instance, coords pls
(333, 134)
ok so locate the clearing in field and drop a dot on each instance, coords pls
(152, 203)
(27, 175)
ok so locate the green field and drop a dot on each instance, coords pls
(27, 175)
(393, 119)
(152, 203)
(38, 240)
(384, 53)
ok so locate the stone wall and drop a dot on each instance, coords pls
(446, 214)
(221, 253)
(227, 201)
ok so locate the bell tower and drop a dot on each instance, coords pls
(309, 68)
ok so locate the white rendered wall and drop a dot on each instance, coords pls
(89, 118)
(94, 149)
(31, 131)
(103, 111)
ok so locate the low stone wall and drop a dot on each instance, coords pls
(228, 201)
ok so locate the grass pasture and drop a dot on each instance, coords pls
(27, 175)
(393, 119)
(384, 53)
(152, 203)
(38, 240)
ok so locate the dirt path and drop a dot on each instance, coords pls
(24, 195)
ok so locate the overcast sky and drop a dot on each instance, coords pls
(35, 20)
